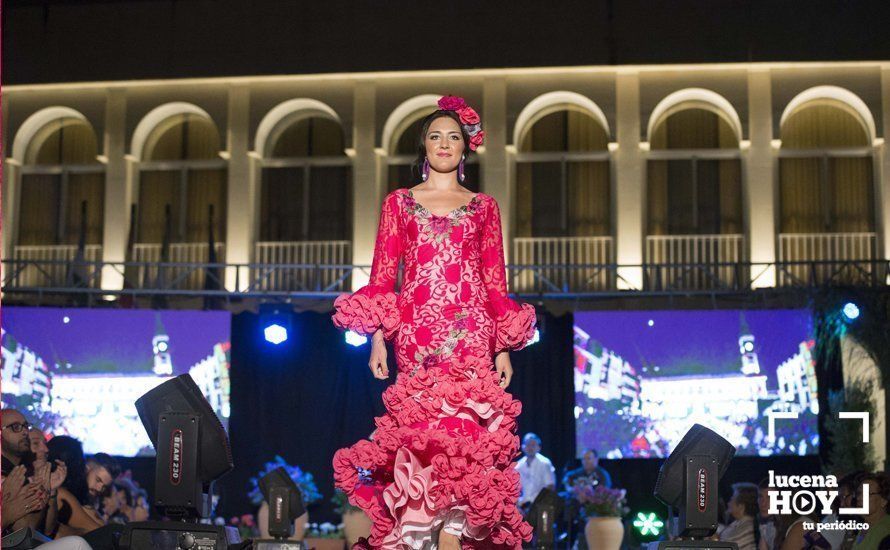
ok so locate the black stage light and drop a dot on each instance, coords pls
(192, 452)
(687, 485)
(542, 515)
(285, 505)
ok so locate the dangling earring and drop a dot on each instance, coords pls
(425, 173)
(460, 169)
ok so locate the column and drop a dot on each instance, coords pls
(367, 191)
(119, 194)
(759, 176)
(629, 173)
(883, 175)
(495, 175)
(241, 189)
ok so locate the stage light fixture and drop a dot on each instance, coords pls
(687, 485)
(851, 311)
(275, 320)
(275, 333)
(355, 339)
(285, 503)
(648, 524)
(536, 337)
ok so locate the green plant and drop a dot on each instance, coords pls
(325, 531)
(847, 453)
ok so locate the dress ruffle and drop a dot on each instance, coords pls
(366, 310)
(514, 323)
(442, 455)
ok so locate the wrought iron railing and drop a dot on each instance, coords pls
(318, 280)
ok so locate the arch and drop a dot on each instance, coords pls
(835, 93)
(403, 115)
(551, 102)
(157, 116)
(35, 123)
(285, 114)
(695, 98)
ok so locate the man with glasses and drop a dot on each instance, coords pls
(16, 442)
(31, 492)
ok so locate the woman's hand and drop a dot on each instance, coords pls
(57, 478)
(504, 368)
(377, 363)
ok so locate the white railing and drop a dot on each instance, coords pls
(307, 253)
(561, 252)
(826, 247)
(54, 274)
(189, 277)
(698, 254)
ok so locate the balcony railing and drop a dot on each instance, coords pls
(562, 264)
(148, 270)
(694, 262)
(335, 254)
(850, 256)
(37, 264)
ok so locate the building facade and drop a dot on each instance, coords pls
(711, 172)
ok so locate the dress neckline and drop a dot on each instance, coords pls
(449, 214)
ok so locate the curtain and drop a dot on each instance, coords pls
(39, 209)
(330, 197)
(562, 198)
(825, 194)
(89, 188)
(694, 196)
(66, 141)
(205, 188)
(282, 204)
(184, 137)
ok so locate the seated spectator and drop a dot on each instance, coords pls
(75, 502)
(744, 510)
(877, 536)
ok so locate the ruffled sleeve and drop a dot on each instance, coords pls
(514, 322)
(374, 306)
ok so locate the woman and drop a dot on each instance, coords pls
(77, 508)
(744, 509)
(877, 536)
(438, 468)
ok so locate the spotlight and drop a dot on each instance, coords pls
(648, 524)
(851, 311)
(276, 322)
(285, 505)
(275, 333)
(687, 485)
(536, 337)
(651, 323)
(355, 339)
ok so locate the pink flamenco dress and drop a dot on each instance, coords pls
(441, 457)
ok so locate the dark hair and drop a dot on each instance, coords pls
(417, 167)
(748, 495)
(106, 461)
(70, 451)
(531, 435)
(878, 482)
(129, 489)
(591, 450)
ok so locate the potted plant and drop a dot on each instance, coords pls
(356, 523)
(325, 536)
(604, 508)
(304, 482)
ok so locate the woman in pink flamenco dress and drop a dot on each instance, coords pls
(438, 472)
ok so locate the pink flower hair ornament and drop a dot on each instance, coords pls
(469, 119)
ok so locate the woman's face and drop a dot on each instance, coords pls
(735, 508)
(38, 444)
(444, 144)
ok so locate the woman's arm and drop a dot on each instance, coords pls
(514, 324)
(80, 521)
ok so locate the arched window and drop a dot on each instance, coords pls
(694, 175)
(181, 170)
(826, 183)
(307, 184)
(63, 186)
(562, 177)
(403, 153)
